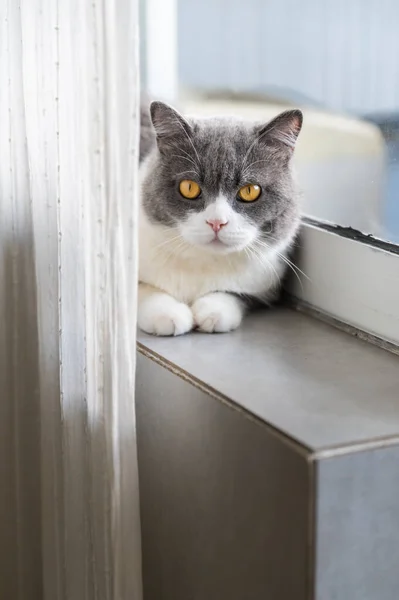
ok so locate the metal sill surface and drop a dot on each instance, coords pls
(316, 385)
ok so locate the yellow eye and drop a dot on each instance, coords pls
(189, 189)
(249, 193)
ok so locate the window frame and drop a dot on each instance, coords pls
(160, 18)
(349, 278)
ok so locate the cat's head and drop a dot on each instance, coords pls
(224, 185)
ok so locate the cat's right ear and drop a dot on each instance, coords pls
(169, 125)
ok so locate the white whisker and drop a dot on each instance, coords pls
(167, 242)
(296, 270)
(293, 266)
(172, 252)
(188, 158)
(255, 162)
(263, 261)
(185, 172)
(185, 153)
(293, 269)
(256, 140)
(191, 142)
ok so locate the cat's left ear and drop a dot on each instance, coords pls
(283, 129)
(169, 125)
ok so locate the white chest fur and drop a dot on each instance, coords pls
(187, 273)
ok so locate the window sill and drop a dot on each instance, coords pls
(319, 386)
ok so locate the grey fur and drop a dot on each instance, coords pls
(147, 133)
(221, 155)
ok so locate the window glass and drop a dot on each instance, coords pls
(338, 61)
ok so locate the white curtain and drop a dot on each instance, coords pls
(69, 506)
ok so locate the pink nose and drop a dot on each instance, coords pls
(216, 224)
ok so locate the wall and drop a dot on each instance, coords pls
(342, 54)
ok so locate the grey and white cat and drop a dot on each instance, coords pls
(218, 212)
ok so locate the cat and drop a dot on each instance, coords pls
(219, 210)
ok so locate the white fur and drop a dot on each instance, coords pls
(186, 272)
(235, 235)
(160, 314)
(217, 312)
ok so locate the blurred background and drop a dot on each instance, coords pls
(338, 60)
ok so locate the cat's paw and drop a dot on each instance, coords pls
(160, 314)
(217, 313)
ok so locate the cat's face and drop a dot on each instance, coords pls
(223, 185)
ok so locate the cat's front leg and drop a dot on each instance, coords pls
(161, 314)
(218, 312)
